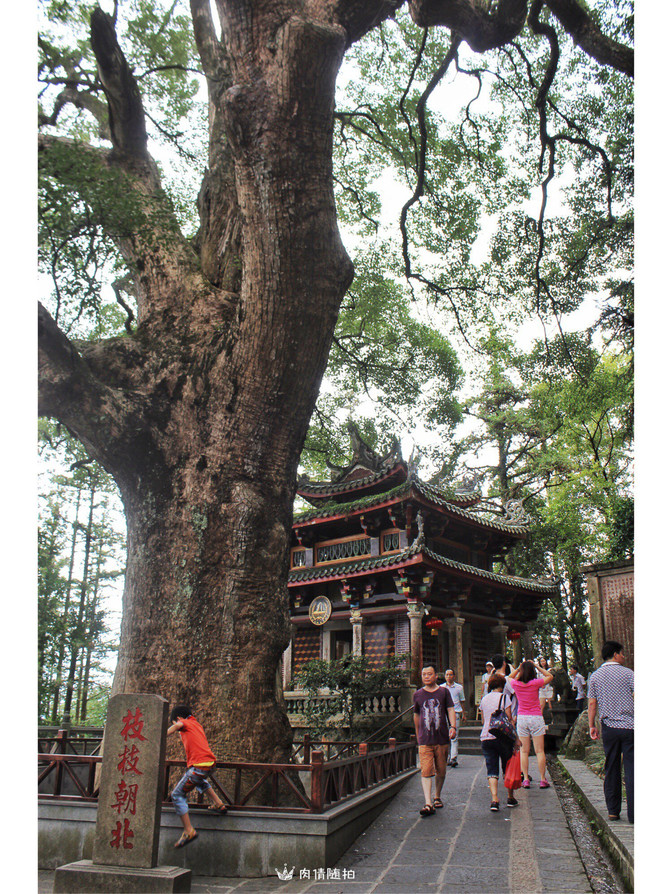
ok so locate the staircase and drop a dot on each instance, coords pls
(469, 737)
(562, 720)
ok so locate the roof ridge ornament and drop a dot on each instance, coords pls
(419, 540)
(515, 514)
(469, 484)
(413, 462)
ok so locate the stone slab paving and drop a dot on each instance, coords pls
(462, 849)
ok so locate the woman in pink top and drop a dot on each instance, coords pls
(530, 723)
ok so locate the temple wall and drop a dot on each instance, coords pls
(610, 590)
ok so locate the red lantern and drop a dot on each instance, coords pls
(513, 635)
(435, 625)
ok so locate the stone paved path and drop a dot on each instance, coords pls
(462, 849)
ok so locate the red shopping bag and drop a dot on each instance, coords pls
(513, 777)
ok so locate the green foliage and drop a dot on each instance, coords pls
(558, 417)
(97, 704)
(86, 206)
(80, 567)
(349, 681)
(387, 368)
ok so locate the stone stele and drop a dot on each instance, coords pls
(125, 849)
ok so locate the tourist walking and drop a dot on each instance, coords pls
(546, 692)
(456, 691)
(611, 693)
(530, 722)
(496, 751)
(578, 683)
(489, 670)
(435, 725)
(199, 763)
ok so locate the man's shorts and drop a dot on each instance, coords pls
(433, 760)
(530, 725)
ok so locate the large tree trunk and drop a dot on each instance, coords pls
(201, 414)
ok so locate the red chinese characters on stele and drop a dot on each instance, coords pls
(127, 792)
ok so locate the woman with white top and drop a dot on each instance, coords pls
(495, 750)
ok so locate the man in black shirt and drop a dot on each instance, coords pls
(434, 712)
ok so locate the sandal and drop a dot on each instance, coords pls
(427, 810)
(185, 839)
(216, 809)
(437, 803)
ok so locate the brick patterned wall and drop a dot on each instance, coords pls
(306, 646)
(378, 642)
(402, 638)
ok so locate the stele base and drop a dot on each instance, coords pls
(84, 876)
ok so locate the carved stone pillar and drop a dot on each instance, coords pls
(325, 646)
(524, 645)
(517, 651)
(356, 621)
(500, 633)
(416, 613)
(455, 628)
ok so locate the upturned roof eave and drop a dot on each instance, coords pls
(322, 490)
(411, 487)
(409, 557)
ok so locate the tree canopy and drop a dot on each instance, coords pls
(189, 174)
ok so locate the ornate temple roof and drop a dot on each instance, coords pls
(413, 486)
(364, 484)
(414, 554)
(374, 492)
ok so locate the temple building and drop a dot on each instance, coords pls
(384, 563)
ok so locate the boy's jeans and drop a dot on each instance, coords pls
(195, 777)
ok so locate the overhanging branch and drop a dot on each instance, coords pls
(482, 30)
(106, 419)
(578, 23)
(126, 114)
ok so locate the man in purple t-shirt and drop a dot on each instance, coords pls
(433, 709)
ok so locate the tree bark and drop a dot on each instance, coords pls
(201, 414)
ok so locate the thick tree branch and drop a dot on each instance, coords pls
(126, 114)
(219, 238)
(72, 392)
(358, 17)
(578, 23)
(471, 20)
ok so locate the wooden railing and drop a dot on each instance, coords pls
(77, 740)
(307, 787)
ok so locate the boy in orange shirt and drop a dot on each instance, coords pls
(199, 762)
